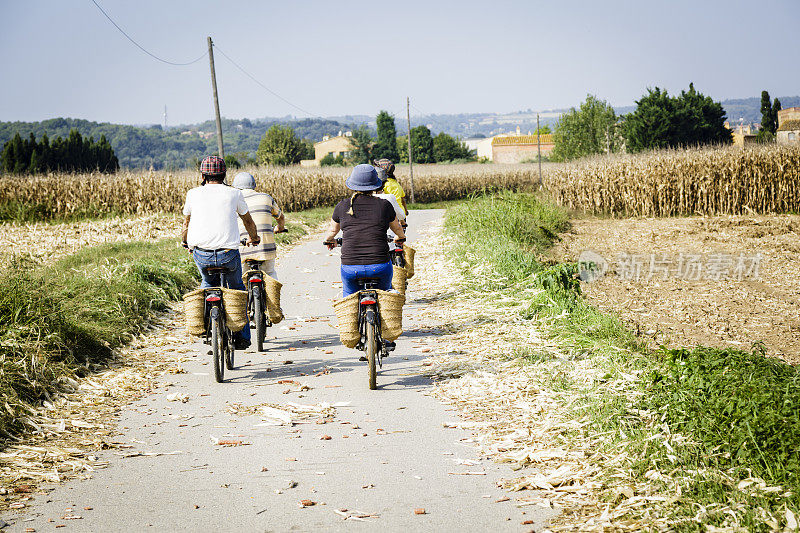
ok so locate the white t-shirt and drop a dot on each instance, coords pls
(401, 215)
(214, 209)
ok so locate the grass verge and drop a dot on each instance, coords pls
(63, 319)
(698, 438)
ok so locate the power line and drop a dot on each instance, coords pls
(140, 47)
(420, 111)
(270, 91)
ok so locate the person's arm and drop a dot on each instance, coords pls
(277, 214)
(280, 223)
(252, 231)
(400, 235)
(403, 200)
(333, 230)
(185, 232)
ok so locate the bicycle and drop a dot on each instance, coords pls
(369, 325)
(221, 336)
(257, 301)
(257, 297)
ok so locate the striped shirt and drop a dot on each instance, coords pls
(262, 208)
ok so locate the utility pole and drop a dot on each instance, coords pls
(539, 147)
(216, 99)
(410, 154)
(165, 118)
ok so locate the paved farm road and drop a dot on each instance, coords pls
(389, 452)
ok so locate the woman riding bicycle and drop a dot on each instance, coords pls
(364, 219)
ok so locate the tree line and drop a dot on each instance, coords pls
(281, 146)
(73, 154)
(658, 121)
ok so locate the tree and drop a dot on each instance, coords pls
(231, 163)
(446, 148)
(422, 145)
(769, 118)
(386, 145)
(585, 131)
(362, 145)
(662, 121)
(308, 149)
(279, 146)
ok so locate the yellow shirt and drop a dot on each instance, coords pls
(393, 187)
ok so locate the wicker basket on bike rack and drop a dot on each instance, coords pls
(235, 308)
(273, 289)
(390, 306)
(408, 253)
(399, 279)
(194, 306)
(347, 312)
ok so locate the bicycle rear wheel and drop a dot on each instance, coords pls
(229, 349)
(260, 318)
(372, 351)
(218, 348)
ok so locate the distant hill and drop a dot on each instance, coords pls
(154, 147)
(178, 147)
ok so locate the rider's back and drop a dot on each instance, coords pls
(262, 208)
(214, 210)
(364, 232)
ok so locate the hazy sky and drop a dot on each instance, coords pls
(64, 58)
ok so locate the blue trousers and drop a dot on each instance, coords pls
(231, 261)
(352, 273)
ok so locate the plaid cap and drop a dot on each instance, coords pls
(385, 164)
(212, 166)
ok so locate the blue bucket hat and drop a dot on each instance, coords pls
(363, 178)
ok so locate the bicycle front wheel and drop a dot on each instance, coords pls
(372, 352)
(260, 318)
(218, 348)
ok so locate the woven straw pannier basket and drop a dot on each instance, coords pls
(347, 312)
(408, 253)
(273, 289)
(194, 307)
(390, 305)
(235, 308)
(399, 276)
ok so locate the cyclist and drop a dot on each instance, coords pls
(392, 186)
(210, 230)
(364, 219)
(263, 208)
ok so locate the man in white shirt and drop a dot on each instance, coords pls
(211, 230)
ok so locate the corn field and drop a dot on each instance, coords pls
(295, 188)
(761, 179)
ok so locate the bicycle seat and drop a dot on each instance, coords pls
(216, 270)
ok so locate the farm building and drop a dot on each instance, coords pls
(519, 148)
(335, 146)
(789, 126)
(742, 134)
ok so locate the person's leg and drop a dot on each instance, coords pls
(349, 277)
(268, 267)
(203, 260)
(232, 262)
